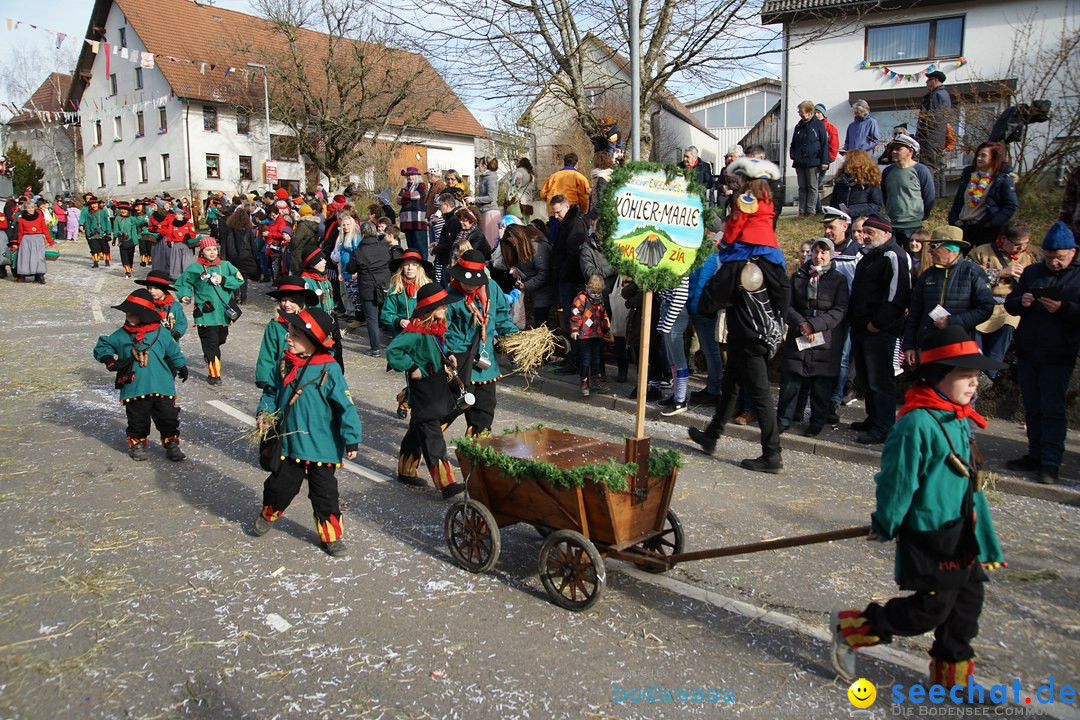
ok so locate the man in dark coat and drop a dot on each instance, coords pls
(931, 128)
(566, 267)
(702, 168)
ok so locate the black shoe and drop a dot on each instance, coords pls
(411, 480)
(781, 428)
(702, 397)
(95, 264)
(173, 451)
(1048, 475)
(860, 426)
(849, 394)
(376, 352)
(214, 380)
(675, 408)
(566, 369)
(651, 395)
(138, 452)
(106, 263)
(142, 264)
(336, 548)
(870, 438)
(834, 414)
(1024, 464)
(703, 439)
(764, 464)
(262, 526)
(453, 489)
(667, 402)
(813, 430)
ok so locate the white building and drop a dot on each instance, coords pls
(731, 114)
(987, 50)
(553, 127)
(173, 124)
(48, 136)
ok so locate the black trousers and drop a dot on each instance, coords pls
(282, 486)
(127, 254)
(145, 246)
(424, 439)
(873, 355)
(953, 615)
(747, 366)
(163, 412)
(212, 337)
(480, 416)
(821, 389)
(99, 247)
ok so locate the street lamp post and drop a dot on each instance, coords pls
(266, 105)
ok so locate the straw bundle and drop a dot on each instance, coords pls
(529, 349)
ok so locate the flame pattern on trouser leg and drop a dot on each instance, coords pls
(408, 464)
(132, 442)
(330, 529)
(442, 474)
(270, 514)
(949, 674)
(856, 629)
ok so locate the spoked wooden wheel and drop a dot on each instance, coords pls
(472, 536)
(572, 570)
(669, 542)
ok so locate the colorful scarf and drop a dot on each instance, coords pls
(976, 189)
(430, 327)
(314, 276)
(206, 263)
(410, 288)
(138, 332)
(293, 363)
(924, 396)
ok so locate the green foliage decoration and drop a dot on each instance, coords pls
(613, 474)
(648, 278)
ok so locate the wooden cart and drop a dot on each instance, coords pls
(581, 525)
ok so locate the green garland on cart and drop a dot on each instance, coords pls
(648, 278)
(613, 474)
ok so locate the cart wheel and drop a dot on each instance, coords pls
(472, 536)
(572, 570)
(669, 543)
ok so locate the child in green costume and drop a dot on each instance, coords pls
(207, 284)
(293, 295)
(410, 273)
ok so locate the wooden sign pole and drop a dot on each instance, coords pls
(643, 364)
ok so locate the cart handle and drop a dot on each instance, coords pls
(796, 541)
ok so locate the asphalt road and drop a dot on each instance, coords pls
(134, 589)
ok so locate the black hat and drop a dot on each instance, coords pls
(878, 220)
(413, 255)
(954, 347)
(158, 279)
(429, 297)
(937, 75)
(293, 286)
(312, 258)
(469, 269)
(315, 324)
(140, 304)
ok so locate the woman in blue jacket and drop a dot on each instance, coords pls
(809, 154)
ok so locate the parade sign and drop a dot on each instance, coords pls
(653, 220)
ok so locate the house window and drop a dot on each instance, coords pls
(138, 78)
(163, 120)
(735, 111)
(245, 167)
(143, 175)
(166, 170)
(716, 117)
(121, 177)
(213, 166)
(140, 128)
(243, 122)
(915, 42)
(101, 175)
(97, 132)
(123, 37)
(118, 128)
(209, 118)
(284, 147)
(755, 107)
(112, 85)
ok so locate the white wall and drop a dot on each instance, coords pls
(989, 30)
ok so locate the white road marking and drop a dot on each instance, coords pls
(250, 421)
(788, 622)
(95, 301)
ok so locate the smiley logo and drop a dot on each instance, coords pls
(862, 693)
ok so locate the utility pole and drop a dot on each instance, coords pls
(266, 105)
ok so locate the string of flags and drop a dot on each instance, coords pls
(145, 60)
(909, 77)
(93, 109)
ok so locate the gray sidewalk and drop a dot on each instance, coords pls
(1001, 441)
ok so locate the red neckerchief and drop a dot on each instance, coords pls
(165, 301)
(139, 331)
(206, 263)
(410, 288)
(281, 319)
(431, 327)
(311, 274)
(472, 295)
(924, 396)
(1006, 253)
(294, 362)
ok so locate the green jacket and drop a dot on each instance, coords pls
(272, 349)
(128, 229)
(154, 379)
(99, 223)
(179, 318)
(84, 216)
(398, 307)
(325, 291)
(191, 285)
(430, 396)
(915, 487)
(461, 331)
(322, 423)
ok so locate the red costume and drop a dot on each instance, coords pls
(751, 222)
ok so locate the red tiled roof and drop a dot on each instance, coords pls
(226, 38)
(50, 96)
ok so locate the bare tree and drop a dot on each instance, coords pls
(336, 83)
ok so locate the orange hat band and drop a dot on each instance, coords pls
(968, 347)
